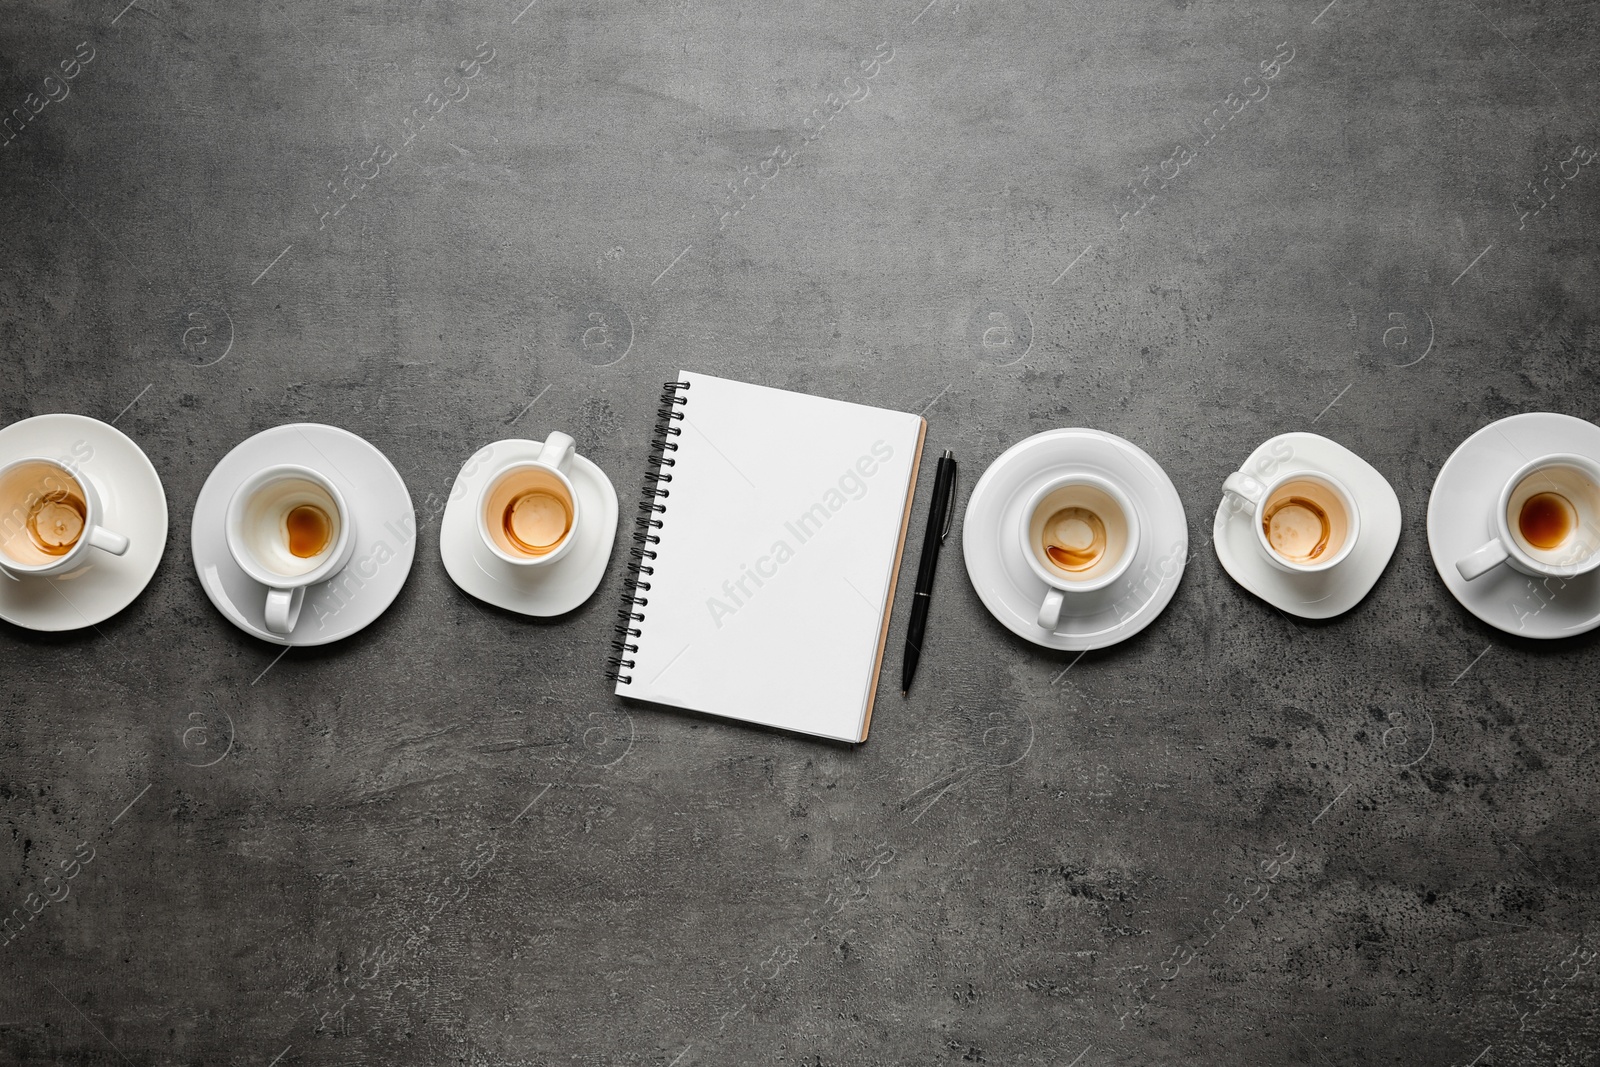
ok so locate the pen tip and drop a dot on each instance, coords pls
(905, 692)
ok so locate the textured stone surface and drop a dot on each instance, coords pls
(444, 841)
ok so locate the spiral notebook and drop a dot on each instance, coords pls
(766, 549)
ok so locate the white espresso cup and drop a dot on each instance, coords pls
(49, 518)
(1079, 533)
(289, 528)
(528, 509)
(1546, 521)
(1306, 521)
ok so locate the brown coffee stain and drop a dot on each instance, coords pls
(1546, 520)
(56, 521)
(309, 530)
(1278, 538)
(535, 522)
(1074, 538)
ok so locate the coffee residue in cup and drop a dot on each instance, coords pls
(1297, 529)
(1546, 520)
(1074, 539)
(536, 521)
(56, 520)
(309, 530)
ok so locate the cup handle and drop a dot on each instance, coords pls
(1246, 487)
(1050, 610)
(557, 451)
(1483, 560)
(283, 609)
(107, 541)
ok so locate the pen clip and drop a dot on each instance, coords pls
(950, 502)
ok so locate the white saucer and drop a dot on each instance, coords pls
(135, 506)
(1008, 586)
(380, 508)
(1324, 594)
(552, 589)
(1460, 519)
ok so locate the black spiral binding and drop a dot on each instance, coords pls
(646, 530)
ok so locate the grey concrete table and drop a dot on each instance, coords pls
(444, 841)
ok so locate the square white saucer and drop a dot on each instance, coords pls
(1324, 594)
(552, 589)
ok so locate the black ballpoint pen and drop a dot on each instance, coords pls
(939, 516)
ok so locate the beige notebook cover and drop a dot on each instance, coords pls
(766, 569)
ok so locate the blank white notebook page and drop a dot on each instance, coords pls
(778, 548)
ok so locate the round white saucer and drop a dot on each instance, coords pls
(1323, 594)
(1461, 518)
(552, 589)
(1008, 586)
(380, 510)
(135, 506)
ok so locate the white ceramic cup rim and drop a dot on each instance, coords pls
(493, 482)
(1352, 512)
(1502, 518)
(241, 552)
(1112, 490)
(92, 517)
